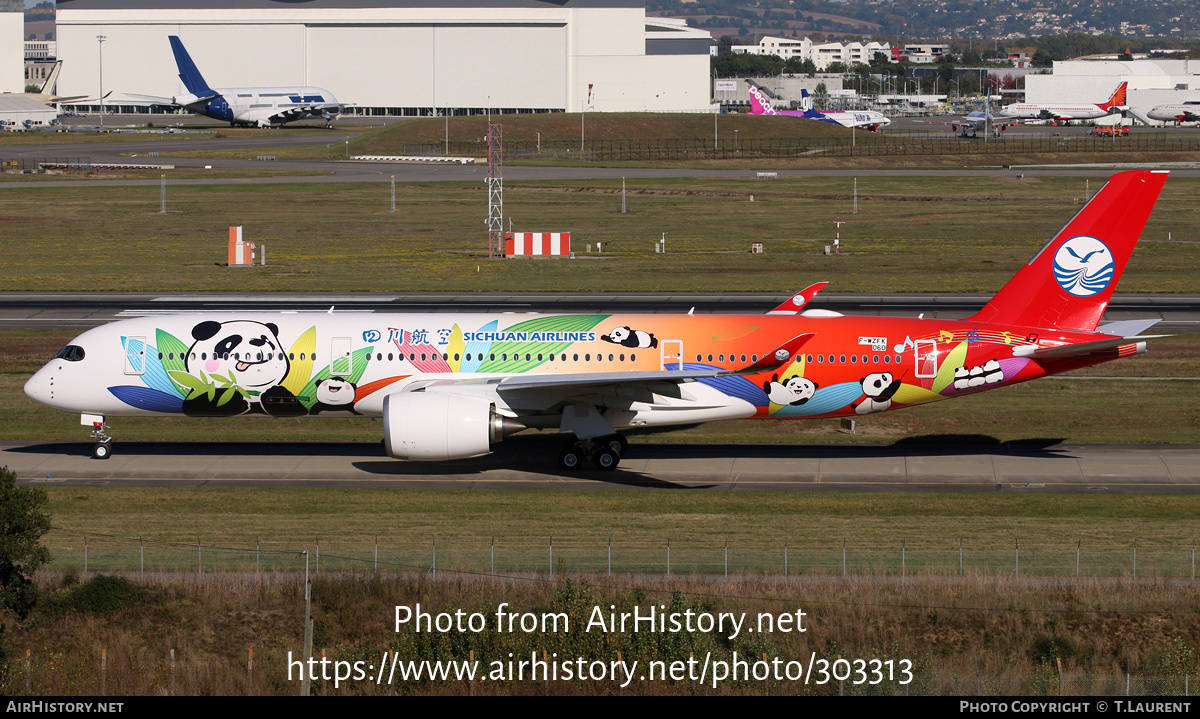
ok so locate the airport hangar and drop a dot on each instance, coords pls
(394, 57)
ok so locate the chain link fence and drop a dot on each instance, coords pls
(99, 553)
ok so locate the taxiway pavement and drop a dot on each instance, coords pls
(1029, 466)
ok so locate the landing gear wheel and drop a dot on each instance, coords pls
(102, 450)
(606, 459)
(571, 458)
(618, 443)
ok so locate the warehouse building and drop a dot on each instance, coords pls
(396, 57)
(12, 37)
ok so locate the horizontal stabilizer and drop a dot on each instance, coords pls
(1080, 349)
(1127, 328)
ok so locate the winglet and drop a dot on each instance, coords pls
(799, 300)
(778, 358)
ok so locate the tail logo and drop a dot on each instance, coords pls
(1083, 266)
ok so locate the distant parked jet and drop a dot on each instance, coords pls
(975, 122)
(760, 105)
(260, 106)
(1115, 104)
(1189, 111)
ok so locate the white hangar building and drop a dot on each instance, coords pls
(396, 57)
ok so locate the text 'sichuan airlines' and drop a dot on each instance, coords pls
(450, 385)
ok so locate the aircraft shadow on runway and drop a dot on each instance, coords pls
(538, 455)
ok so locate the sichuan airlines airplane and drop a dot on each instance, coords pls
(760, 105)
(450, 385)
(260, 106)
(1034, 111)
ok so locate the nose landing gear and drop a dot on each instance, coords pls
(102, 449)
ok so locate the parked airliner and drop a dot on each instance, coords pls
(449, 385)
(258, 106)
(1189, 111)
(1115, 104)
(869, 119)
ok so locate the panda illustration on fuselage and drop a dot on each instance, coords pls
(878, 389)
(627, 337)
(248, 353)
(334, 394)
(794, 390)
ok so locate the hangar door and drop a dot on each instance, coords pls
(431, 65)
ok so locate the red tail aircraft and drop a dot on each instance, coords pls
(449, 385)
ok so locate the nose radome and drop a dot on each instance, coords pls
(35, 387)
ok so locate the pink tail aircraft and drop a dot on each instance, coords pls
(761, 105)
(449, 385)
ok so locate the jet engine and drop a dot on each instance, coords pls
(434, 426)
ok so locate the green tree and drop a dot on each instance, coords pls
(820, 96)
(23, 522)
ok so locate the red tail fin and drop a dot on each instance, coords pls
(1068, 283)
(1117, 99)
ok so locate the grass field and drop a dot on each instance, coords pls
(909, 235)
(174, 636)
(461, 519)
(554, 139)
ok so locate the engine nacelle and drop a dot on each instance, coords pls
(434, 426)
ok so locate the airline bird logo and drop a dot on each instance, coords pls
(1083, 266)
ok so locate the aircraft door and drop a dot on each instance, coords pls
(925, 353)
(671, 353)
(135, 355)
(341, 359)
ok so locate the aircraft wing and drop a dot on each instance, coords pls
(955, 124)
(568, 383)
(1006, 123)
(155, 99)
(296, 113)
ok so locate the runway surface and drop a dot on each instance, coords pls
(52, 310)
(1033, 466)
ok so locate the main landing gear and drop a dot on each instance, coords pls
(102, 449)
(605, 452)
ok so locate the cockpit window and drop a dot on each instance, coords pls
(71, 353)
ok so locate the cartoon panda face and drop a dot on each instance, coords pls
(335, 392)
(877, 384)
(618, 334)
(802, 387)
(249, 352)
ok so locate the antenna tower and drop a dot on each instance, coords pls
(495, 185)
